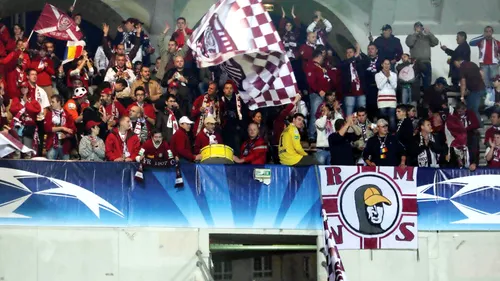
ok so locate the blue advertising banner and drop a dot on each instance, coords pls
(458, 199)
(45, 193)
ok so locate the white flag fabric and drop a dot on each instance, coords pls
(239, 36)
(334, 264)
(9, 144)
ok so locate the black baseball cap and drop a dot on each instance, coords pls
(441, 80)
(386, 27)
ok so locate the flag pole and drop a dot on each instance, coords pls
(31, 34)
(74, 3)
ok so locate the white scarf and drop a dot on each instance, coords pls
(125, 152)
(211, 136)
(494, 50)
(423, 160)
(354, 76)
(138, 126)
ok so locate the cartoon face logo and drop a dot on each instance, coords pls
(369, 205)
(371, 212)
(64, 23)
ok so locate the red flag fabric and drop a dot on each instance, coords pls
(239, 36)
(56, 24)
(9, 144)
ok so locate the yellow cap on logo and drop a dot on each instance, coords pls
(373, 197)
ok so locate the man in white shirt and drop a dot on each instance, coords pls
(120, 71)
(321, 27)
(40, 95)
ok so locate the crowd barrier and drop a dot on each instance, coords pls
(50, 193)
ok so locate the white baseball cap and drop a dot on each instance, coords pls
(185, 119)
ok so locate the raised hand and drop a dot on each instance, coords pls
(119, 28)
(105, 28)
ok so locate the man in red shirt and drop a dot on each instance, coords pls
(111, 109)
(155, 149)
(122, 145)
(254, 150)
(495, 127)
(181, 143)
(148, 109)
(207, 136)
(15, 65)
(180, 34)
(471, 84)
(492, 154)
(44, 67)
(307, 49)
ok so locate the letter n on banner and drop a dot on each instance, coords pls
(371, 208)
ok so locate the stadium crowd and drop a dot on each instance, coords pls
(365, 109)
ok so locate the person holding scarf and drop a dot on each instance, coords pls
(325, 126)
(138, 123)
(290, 35)
(353, 70)
(253, 150)
(207, 135)
(120, 70)
(427, 148)
(204, 106)
(122, 145)
(234, 114)
(60, 128)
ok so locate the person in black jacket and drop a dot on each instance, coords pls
(404, 130)
(353, 79)
(384, 149)
(427, 148)
(462, 51)
(373, 65)
(341, 150)
(389, 47)
(186, 80)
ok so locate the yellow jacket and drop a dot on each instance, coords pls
(290, 149)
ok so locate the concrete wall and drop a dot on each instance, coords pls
(114, 254)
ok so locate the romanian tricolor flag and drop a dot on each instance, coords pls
(74, 50)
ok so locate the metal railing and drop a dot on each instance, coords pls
(205, 271)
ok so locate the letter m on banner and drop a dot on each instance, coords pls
(56, 24)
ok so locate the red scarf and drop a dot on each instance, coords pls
(211, 108)
(172, 121)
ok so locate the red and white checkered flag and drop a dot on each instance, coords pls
(239, 36)
(334, 264)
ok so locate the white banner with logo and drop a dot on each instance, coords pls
(371, 207)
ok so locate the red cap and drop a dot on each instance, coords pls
(107, 91)
(173, 84)
(496, 78)
(23, 84)
(91, 124)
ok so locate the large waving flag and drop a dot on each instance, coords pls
(9, 144)
(56, 24)
(336, 271)
(239, 36)
(74, 49)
